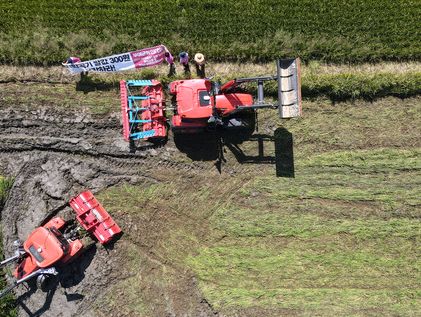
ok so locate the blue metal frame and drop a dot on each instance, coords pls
(134, 110)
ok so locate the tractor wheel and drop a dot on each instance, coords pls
(46, 282)
(240, 126)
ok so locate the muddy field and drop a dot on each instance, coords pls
(55, 144)
(58, 140)
(53, 155)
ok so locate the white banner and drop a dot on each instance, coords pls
(142, 58)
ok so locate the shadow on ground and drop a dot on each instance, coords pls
(212, 145)
(88, 84)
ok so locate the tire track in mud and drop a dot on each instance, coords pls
(123, 163)
(87, 136)
(53, 156)
(84, 134)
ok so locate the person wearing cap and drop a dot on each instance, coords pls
(72, 60)
(199, 61)
(184, 60)
(170, 60)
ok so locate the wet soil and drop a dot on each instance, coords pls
(55, 154)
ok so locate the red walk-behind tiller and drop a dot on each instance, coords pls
(199, 104)
(58, 242)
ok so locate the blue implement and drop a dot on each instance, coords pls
(142, 135)
(142, 109)
(139, 82)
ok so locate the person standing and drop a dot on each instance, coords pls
(170, 60)
(199, 61)
(73, 60)
(184, 60)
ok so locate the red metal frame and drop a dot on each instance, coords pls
(155, 105)
(124, 110)
(143, 111)
(93, 217)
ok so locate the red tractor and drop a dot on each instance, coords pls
(58, 242)
(200, 104)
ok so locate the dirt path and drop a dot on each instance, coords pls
(53, 156)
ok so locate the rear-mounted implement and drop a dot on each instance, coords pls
(143, 110)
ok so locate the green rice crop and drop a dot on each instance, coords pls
(47, 31)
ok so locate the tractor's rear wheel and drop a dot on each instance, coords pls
(46, 282)
(242, 120)
(240, 126)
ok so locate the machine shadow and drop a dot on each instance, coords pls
(203, 146)
(45, 307)
(284, 153)
(72, 274)
(260, 158)
(87, 84)
(138, 146)
(211, 145)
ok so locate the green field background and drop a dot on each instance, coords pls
(45, 32)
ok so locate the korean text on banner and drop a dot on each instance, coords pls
(141, 58)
